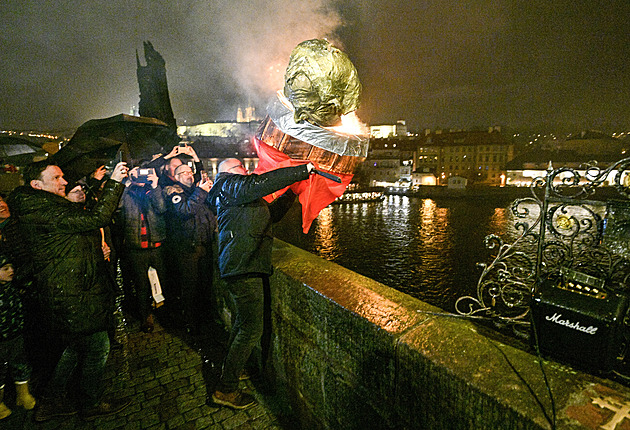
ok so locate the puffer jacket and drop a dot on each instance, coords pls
(245, 218)
(73, 287)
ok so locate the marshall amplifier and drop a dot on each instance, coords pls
(576, 320)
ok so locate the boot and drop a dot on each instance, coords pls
(23, 397)
(53, 407)
(148, 325)
(4, 411)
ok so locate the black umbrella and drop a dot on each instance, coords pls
(18, 151)
(141, 137)
(78, 161)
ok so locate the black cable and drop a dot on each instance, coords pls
(551, 420)
(464, 316)
(542, 369)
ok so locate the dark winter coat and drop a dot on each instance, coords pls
(245, 218)
(137, 200)
(189, 220)
(73, 287)
(11, 312)
(10, 242)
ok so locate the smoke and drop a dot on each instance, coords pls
(251, 40)
(431, 63)
(66, 64)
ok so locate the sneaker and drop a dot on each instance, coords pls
(235, 400)
(104, 409)
(49, 408)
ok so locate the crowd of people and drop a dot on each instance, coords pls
(61, 246)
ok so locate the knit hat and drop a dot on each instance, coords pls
(4, 260)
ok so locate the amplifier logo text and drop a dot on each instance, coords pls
(556, 318)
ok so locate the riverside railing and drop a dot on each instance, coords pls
(575, 220)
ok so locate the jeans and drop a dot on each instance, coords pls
(90, 353)
(247, 329)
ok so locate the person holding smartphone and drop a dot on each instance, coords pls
(179, 155)
(74, 293)
(142, 224)
(190, 231)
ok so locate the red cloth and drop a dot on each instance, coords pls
(314, 193)
(144, 236)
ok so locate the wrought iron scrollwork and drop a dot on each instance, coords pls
(557, 227)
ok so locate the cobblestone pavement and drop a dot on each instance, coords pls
(169, 377)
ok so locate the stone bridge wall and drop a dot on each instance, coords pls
(351, 353)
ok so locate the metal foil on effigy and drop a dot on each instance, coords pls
(331, 151)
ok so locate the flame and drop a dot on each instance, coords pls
(351, 124)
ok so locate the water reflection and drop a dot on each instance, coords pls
(326, 235)
(499, 221)
(425, 248)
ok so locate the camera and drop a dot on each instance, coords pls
(143, 175)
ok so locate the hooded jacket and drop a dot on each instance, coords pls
(72, 284)
(245, 218)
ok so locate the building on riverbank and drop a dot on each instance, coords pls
(478, 156)
(389, 162)
(575, 152)
(431, 159)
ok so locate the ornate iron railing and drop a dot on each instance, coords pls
(571, 221)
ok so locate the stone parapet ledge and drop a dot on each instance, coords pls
(352, 353)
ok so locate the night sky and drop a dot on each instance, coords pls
(553, 65)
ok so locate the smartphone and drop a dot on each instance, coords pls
(110, 165)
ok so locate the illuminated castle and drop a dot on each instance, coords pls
(249, 116)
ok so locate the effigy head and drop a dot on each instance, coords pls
(321, 83)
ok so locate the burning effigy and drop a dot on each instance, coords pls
(308, 121)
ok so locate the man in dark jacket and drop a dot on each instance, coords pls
(245, 243)
(141, 219)
(190, 229)
(74, 292)
(179, 155)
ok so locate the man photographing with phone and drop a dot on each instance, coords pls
(74, 292)
(141, 221)
(190, 230)
(179, 155)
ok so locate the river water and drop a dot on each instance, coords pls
(426, 248)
